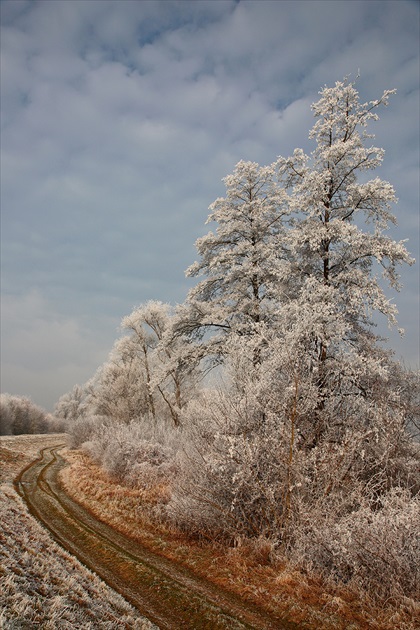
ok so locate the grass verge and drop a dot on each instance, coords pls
(245, 570)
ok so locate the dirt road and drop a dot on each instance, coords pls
(165, 592)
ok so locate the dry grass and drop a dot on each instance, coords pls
(245, 570)
(41, 585)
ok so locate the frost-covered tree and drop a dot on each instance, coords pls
(145, 374)
(241, 263)
(70, 406)
(169, 378)
(6, 416)
(335, 406)
(119, 389)
(19, 415)
(337, 243)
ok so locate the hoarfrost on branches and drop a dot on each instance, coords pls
(309, 436)
(242, 262)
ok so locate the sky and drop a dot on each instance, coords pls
(119, 120)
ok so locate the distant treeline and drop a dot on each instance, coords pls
(19, 415)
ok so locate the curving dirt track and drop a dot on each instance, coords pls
(165, 592)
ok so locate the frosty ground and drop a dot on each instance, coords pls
(41, 584)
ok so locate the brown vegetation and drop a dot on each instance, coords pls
(247, 569)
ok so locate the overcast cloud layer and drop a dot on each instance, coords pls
(119, 120)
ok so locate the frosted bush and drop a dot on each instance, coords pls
(146, 475)
(131, 453)
(120, 460)
(346, 508)
(85, 428)
(375, 549)
(232, 473)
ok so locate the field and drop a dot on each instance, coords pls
(41, 585)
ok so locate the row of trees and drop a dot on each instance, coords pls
(309, 435)
(19, 415)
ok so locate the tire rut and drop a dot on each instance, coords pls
(165, 592)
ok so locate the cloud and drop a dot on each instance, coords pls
(119, 120)
(45, 352)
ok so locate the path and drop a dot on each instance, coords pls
(167, 593)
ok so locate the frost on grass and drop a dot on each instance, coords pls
(41, 585)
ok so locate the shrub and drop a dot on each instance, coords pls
(83, 429)
(375, 549)
(131, 453)
(232, 475)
